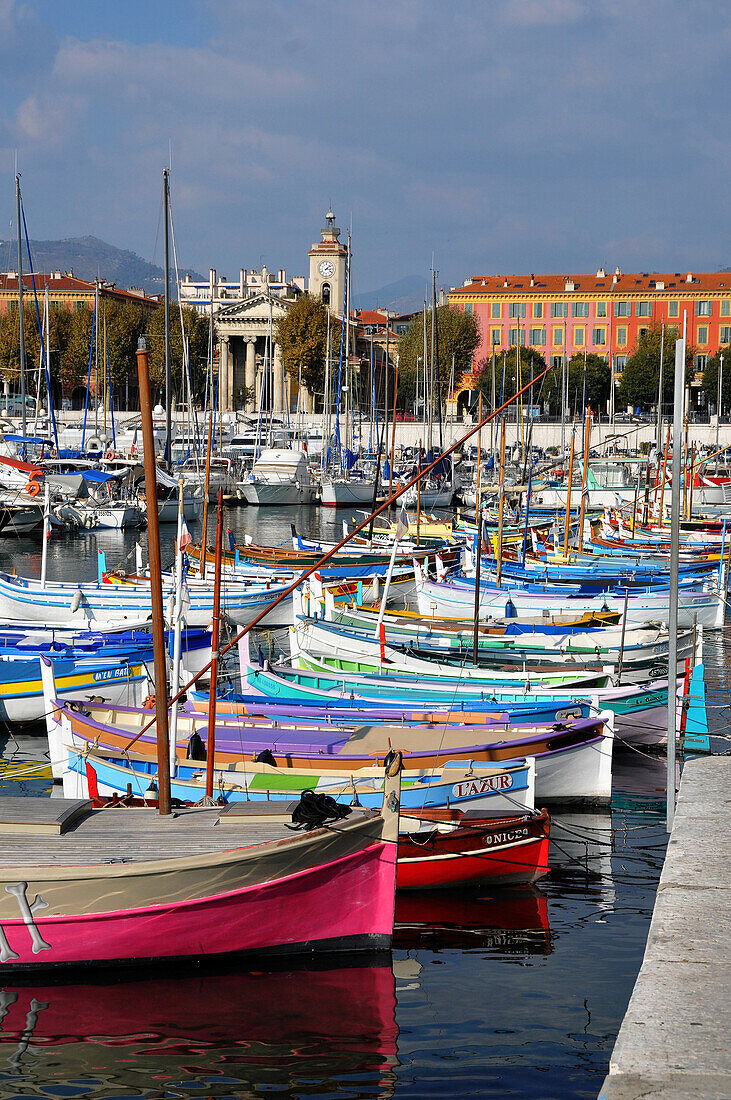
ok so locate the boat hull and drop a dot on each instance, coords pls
(294, 914)
(512, 852)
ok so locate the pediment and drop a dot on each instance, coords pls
(255, 309)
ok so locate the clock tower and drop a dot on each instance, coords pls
(327, 266)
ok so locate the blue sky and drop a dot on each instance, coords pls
(497, 135)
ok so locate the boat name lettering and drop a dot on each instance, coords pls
(506, 837)
(471, 787)
(27, 909)
(109, 674)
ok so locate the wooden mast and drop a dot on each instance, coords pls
(204, 532)
(567, 523)
(153, 540)
(501, 503)
(582, 510)
(211, 741)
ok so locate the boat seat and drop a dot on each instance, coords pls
(44, 816)
(243, 813)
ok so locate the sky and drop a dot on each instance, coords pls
(485, 136)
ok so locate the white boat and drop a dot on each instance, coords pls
(340, 491)
(89, 516)
(280, 477)
(440, 599)
(23, 598)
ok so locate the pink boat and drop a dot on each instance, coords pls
(123, 885)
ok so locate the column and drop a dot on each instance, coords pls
(224, 376)
(278, 380)
(305, 400)
(250, 376)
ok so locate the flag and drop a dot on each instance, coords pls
(402, 524)
(185, 537)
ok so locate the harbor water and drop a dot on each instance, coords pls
(486, 994)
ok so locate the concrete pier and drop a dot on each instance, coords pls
(675, 1039)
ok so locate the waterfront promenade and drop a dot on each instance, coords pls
(674, 1039)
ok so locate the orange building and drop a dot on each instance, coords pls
(65, 291)
(601, 314)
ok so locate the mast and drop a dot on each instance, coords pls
(678, 395)
(158, 623)
(435, 352)
(20, 304)
(211, 740)
(166, 307)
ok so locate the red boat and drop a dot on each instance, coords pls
(448, 848)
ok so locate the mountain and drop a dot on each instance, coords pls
(405, 296)
(89, 258)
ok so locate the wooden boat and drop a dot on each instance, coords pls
(84, 886)
(450, 848)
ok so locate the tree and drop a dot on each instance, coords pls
(302, 336)
(124, 323)
(458, 335)
(598, 383)
(506, 374)
(710, 379)
(195, 327)
(641, 375)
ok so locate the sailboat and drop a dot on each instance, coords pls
(343, 482)
(83, 884)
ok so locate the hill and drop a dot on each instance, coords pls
(89, 258)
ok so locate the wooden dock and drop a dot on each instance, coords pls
(674, 1039)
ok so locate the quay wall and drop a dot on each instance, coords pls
(674, 1039)
(544, 434)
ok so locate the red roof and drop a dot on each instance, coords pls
(63, 282)
(626, 283)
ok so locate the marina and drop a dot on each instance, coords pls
(365, 552)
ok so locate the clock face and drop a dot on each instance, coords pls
(326, 268)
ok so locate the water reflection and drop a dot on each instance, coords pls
(507, 922)
(229, 1034)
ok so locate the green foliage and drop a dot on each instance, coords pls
(598, 383)
(641, 376)
(195, 328)
(302, 336)
(710, 379)
(506, 377)
(458, 335)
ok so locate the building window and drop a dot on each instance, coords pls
(578, 337)
(726, 309)
(325, 293)
(622, 335)
(517, 335)
(557, 360)
(644, 309)
(496, 309)
(620, 362)
(622, 309)
(516, 309)
(558, 336)
(537, 310)
(673, 310)
(538, 337)
(700, 362)
(703, 309)
(599, 337)
(559, 309)
(468, 309)
(579, 309)
(703, 334)
(496, 336)
(601, 309)
(641, 332)
(725, 335)
(78, 306)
